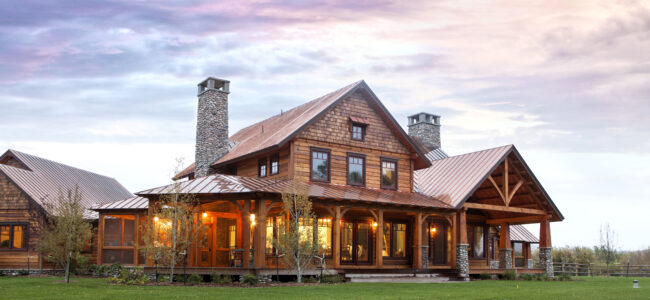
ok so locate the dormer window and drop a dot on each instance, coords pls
(261, 167)
(358, 132)
(275, 164)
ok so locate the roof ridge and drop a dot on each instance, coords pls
(477, 151)
(58, 163)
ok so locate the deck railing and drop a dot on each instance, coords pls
(575, 269)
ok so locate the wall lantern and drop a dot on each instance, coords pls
(156, 219)
(205, 215)
(252, 219)
(374, 225)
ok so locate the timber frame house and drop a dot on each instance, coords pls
(386, 201)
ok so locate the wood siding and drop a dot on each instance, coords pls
(248, 168)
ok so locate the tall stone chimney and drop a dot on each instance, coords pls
(426, 128)
(211, 124)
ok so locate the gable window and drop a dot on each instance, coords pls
(275, 164)
(320, 165)
(388, 174)
(358, 131)
(356, 169)
(261, 167)
(12, 237)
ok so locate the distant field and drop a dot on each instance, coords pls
(92, 288)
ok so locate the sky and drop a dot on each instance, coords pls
(110, 86)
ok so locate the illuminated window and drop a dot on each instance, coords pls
(325, 236)
(388, 174)
(394, 240)
(306, 230)
(12, 236)
(320, 165)
(356, 169)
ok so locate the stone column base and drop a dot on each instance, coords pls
(425, 257)
(494, 264)
(546, 260)
(505, 258)
(462, 260)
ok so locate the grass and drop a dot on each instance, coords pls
(94, 288)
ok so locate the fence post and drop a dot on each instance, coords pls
(627, 273)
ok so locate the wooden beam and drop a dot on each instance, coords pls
(506, 183)
(516, 220)
(504, 236)
(246, 233)
(336, 239)
(379, 240)
(514, 190)
(505, 209)
(461, 219)
(417, 252)
(496, 186)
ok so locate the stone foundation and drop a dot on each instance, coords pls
(546, 260)
(462, 260)
(505, 258)
(425, 257)
(494, 264)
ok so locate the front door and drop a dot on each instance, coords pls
(356, 242)
(437, 243)
(226, 241)
(205, 244)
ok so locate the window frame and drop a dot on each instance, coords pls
(363, 131)
(122, 247)
(275, 158)
(262, 162)
(394, 187)
(363, 172)
(311, 164)
(390, 250)
(470, 240)
(11, 236)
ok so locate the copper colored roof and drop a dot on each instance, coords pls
(452, 180)
(229, 184)
(136, 202)
(45, 179)
(519, 233)
(359, 120)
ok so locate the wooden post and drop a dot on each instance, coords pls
(545, 233)
(260, 235)
(462, 227)
(246, 234)
(417, 252)
(380, 239)
(100, 239)
(504, 237)
(336, 243)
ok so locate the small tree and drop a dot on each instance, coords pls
(297, 242)
(174, 228)
(66, 233)
(607, 249)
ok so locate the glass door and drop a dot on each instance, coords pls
(437, 243)
(226, 230)
(205, 244)
(356, 242)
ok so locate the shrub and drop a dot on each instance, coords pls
(179, 278)
(250, 279)
(23, 273)
(220, 278)
(195, 278)
(114, 270)
(134, 276)
(309, 279)
(564, 277)
(486, 276)
(509, 275)
(2, 273)
(331, 279)
(542, 277)
(80, 265)
(527, 277)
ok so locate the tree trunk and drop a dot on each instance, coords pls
(67, 268)
(174, 226)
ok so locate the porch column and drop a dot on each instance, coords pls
(379, 240)
(417, 249)
(545, 248)
(462, 259)
(336, 239)
(260, 235)
(505, 247)
(246, 234)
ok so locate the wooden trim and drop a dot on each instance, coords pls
(363, 171)
(25, 242)
(496, 186)
(292, 159)
(363, 131)
(504, 208)
(311, 163)
(514, 190)
(383, 159)
(517, 220)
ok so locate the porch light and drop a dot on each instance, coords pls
(433, 230)
(374, 225)
(205, 214)
(252, 219)
(156, 219)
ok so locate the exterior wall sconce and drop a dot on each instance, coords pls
(156, 219)
(205, 214)
(252, 219)
(374, 225)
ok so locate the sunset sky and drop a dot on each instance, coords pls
(110, 86)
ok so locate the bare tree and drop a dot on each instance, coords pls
(66, 233)
(297, 242)
(174, 228)
(607, 250)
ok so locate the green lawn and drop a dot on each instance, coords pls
(91, 288)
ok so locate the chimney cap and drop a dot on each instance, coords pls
(212, 83)
(424, 117)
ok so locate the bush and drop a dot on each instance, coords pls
(250, 279)
(564, 277)
(195, 278)
(23, 273)
(486, 276)
(2, 273)
(80, 265)
(527, 277)
(331, 279)
(134, 276)
(542, 277)
(309, 279)
(179, 278)
(220, 278)
(509, 275)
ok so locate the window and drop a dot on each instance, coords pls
(476, 238)
(320, 165)
(275, 228)
(261, 167)
(356, 169)
(13, 237)
(325, 236)
(358, 131)
(275, 164)
(119, 239)
(394, 240)
(388, 174)
(519, 254)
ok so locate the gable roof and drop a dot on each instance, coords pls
(519, 233)
(45, 179)
(276, 131)
(230, 184)
(454, 179)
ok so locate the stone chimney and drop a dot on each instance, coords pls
(426, 128)
(211, 124)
